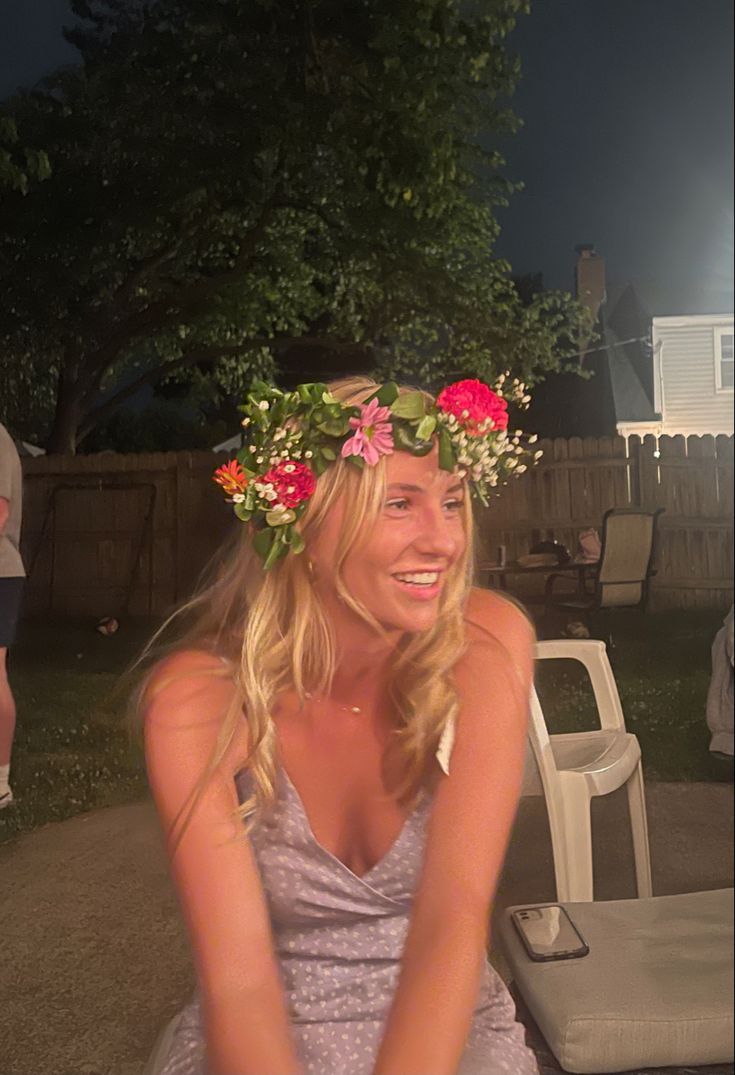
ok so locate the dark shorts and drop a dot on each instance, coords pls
(11, 592)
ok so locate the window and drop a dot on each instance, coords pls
(724, 359)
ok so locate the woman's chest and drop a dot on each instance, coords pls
(343, 779)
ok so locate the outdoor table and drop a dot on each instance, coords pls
(579, 570)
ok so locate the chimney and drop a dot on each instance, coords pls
(589, 278)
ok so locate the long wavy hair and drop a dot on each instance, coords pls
(273, 634)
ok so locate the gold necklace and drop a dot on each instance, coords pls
(345, 708)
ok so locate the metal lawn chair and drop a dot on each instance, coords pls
(625, 568)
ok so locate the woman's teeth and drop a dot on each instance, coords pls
(424, 578)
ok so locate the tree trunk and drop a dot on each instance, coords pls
(64, 434)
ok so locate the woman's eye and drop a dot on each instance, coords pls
(401, 504)
(454, 505)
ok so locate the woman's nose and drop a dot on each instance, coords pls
(437, 535)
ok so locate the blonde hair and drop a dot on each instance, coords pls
(271, 629)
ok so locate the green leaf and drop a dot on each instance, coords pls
(297, 543)
(242, 512)
(446, 451)
(422, 447)
(386, 394)
(263, 541)
(276, 551)
(333, 427)
(403, 438)
(426, 427)
(411, 406)
(328, 453)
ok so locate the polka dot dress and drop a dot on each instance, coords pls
(339, 939)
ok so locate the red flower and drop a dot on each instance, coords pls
(472, 402)
(293, 482)
(231, 477)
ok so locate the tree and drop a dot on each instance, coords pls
(18, 164)
(233, 178)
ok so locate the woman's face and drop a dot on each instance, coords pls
(400, 569)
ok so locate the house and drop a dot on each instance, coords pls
(693, 373)
(667, 374)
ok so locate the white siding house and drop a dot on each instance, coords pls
(693, 374)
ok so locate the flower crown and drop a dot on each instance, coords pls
(294, 436)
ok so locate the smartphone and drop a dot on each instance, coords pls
(548, 933)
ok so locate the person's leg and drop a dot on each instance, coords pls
(10, 598)
(7, 728)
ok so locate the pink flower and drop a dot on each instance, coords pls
(373, 434)
(231, 477)
(472, 403)
(293, 482)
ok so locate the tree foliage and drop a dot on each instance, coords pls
(231, 177)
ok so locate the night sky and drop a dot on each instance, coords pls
(627, 143)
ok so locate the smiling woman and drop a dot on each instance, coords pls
(347, 695)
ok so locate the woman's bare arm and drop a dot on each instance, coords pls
(246, 1023)
(468, 833)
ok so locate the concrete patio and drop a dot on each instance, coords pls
(95, 960)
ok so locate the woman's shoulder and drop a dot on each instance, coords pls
(490, 615)
(191, 712)
(188, 683)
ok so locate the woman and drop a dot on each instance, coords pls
(337, 663)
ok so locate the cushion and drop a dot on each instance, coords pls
(655, 990)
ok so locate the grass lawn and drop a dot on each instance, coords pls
(662, 666)
(73, 752)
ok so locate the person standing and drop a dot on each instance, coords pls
(12, 575)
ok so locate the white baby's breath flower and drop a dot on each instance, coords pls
(238, 498)
(533, 438)
(264, 405)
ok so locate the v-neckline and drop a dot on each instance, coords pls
(364, 877)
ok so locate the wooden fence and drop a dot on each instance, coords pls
(577, 480)
(108, 534)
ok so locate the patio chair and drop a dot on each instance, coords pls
(625, 567)
(656, 988)
(577, 766)
(655, 991)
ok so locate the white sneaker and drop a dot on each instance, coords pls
(6, 798)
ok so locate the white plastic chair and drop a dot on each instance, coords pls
(577, 766)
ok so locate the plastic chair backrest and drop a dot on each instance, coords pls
(627, 547)
(593, 655)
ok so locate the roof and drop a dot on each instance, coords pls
(630, 400)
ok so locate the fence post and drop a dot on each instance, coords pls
(634, 469)
(182, 466)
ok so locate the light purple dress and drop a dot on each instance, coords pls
(339, 939)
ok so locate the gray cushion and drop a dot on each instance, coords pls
(655, 990)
